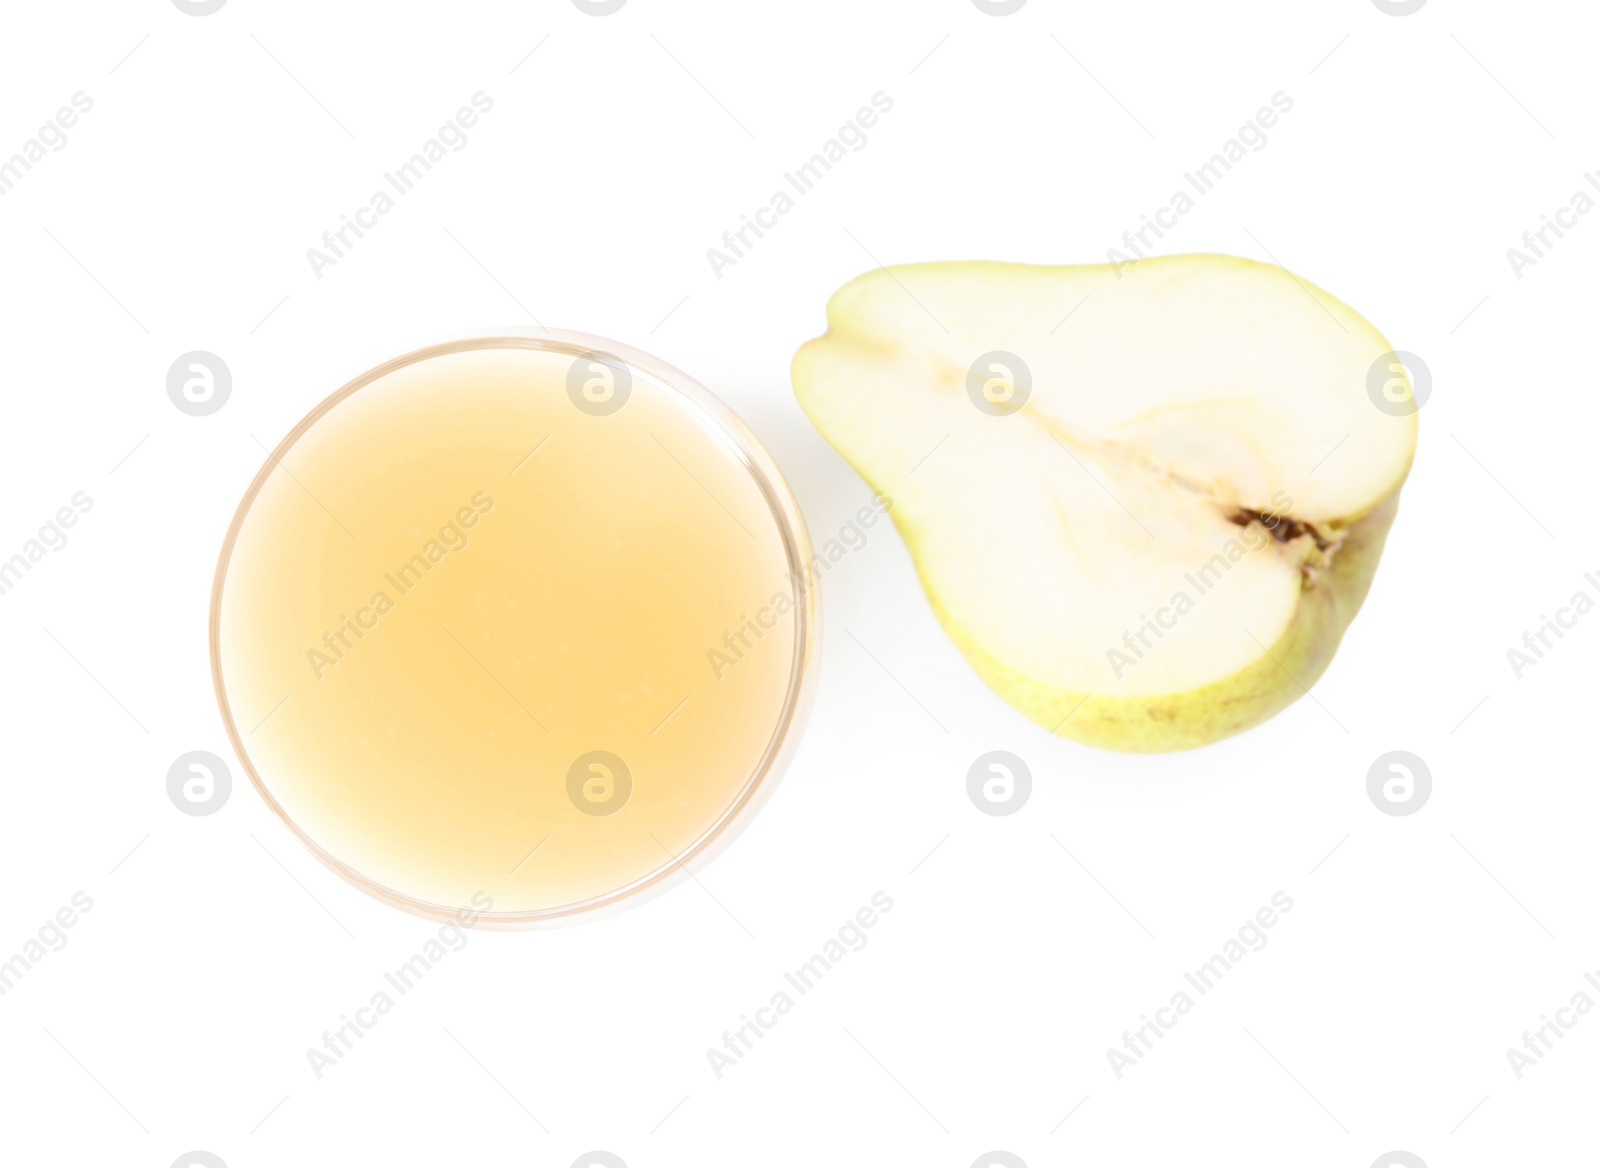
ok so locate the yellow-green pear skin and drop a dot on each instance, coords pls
(1162, 543)
(1244, 699)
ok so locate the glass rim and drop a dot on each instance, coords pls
(737, 440)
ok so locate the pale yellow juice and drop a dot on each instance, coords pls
(477, 636)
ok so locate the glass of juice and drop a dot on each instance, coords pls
(518, 625)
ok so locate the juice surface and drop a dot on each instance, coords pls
(477, 637)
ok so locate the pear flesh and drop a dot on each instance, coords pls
(1144, 501)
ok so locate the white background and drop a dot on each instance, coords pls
(178, 216)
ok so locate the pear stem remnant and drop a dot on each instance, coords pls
(1283, 527)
